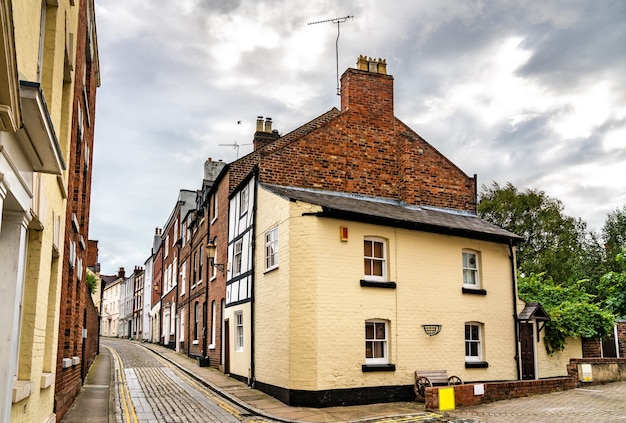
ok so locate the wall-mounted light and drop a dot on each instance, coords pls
(210, 253)
(432, 330)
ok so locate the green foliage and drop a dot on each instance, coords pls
(614, 236)
(92, 281)
(579, 278)
(612, 288)
(572, 311)
(554, 243)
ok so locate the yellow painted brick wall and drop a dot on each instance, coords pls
(239, 360)
(556, 364)
(328, 307)
(272, 290)
(38, 343)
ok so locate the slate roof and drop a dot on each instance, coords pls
(391, 212)
(533, 311)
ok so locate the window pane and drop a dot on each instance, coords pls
(380, 331)
(474, 332)
(368, 350)
(474, 349)
(467, 332)
(377, 268)
(379, 350)
(469, 277)
(368, 267)
(367, 247)
(369, 331)
(378, 249)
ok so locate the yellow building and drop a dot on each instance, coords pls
(37, 56)
(330, 332)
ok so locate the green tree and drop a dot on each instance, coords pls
(572, 311)
(612, 288)
(614, 237)
(555, 244)
(92, 281)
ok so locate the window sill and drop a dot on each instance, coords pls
(476, 364)
(271, 269)
(212, 346)
(195, 342)
(474, 291)
(22, 389)
(377, 284)
(378, 368)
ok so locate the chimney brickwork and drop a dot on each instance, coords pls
(364, 149)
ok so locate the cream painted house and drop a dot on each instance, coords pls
(339, 313)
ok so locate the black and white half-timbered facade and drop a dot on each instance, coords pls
(239, 280)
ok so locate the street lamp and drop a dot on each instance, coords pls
(210, 253)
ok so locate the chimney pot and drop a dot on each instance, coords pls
(259, 124)
(268, 124)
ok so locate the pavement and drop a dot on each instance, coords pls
(95, 401)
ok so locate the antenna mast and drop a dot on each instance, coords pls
(337, 21)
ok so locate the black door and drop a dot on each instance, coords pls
(527, 350)
(608, 347)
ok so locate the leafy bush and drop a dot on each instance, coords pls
(572, 311)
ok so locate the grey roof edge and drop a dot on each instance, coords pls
(390, 212)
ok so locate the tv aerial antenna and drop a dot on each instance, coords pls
(235, 145)
(338, 21)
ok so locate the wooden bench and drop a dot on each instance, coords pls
(428, 378)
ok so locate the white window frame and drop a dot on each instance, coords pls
(214, 208)
(181, 336)
(271, 248)
(239, 340)
(473, 339)
(213, 325)
(244, 198)
(183, 278)
(196, 320)
(237, 257)
(471, 266)
(372, 258)
(375, 324)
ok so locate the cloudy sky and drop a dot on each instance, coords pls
(528, 92)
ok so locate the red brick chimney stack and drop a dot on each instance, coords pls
(264, 134)
(368, 90)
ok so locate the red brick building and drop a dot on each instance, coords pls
(78, 335)
(171, 247)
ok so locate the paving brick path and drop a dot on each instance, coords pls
(599, 403)
(160, 393)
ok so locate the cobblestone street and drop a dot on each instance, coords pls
(155, 384)
(149, 389)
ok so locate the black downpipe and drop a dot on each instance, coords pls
(516, 326)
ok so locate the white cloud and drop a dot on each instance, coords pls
(522, 91)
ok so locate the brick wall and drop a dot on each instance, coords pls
(497, 391)
(92, 253)
(77, 310)
(621, 338)
(218, 230)
(591, 348)
(364, 150)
